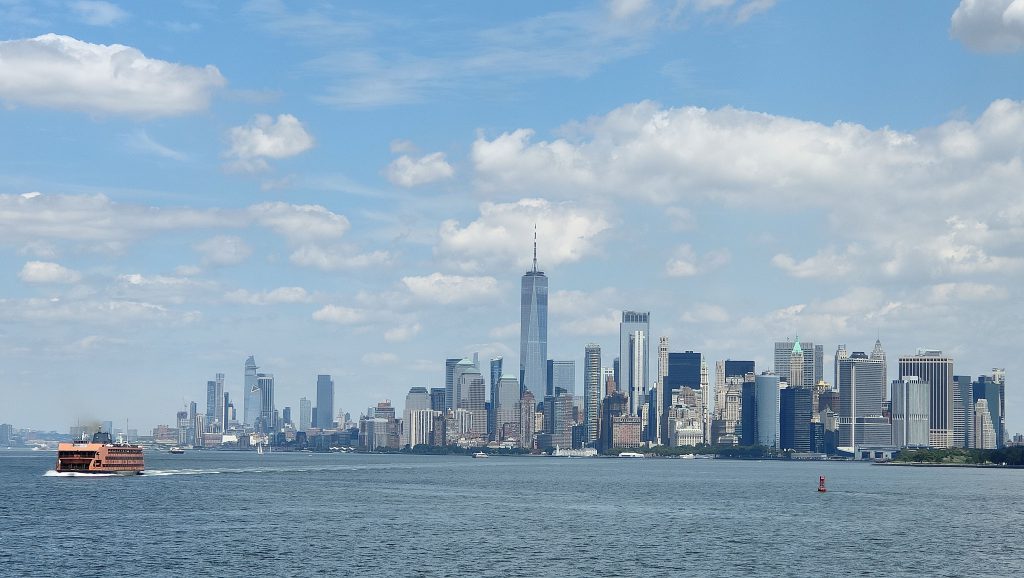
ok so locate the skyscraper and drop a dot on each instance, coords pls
(937, 370)
(496, 372)
(989, 389)
(305, 414)
(450, 398)
(266, 422)
(416, 400)
(963, 412)
(324, 401)
(472, 396)
(253, 397)
(215, 404)
(533, 328)
(683, 370)
(506, 408)
(910, 406)
(632, 321)
(795, 410)
(591, 389)
(561, 375)
(637, 371)
(766, 414)
(861, 393)
(437, 399)
(813, 361)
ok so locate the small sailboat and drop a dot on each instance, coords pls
(259, 448)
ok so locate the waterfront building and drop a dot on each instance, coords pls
(527, 419)
(632, 321)
(748, 413)
(492, 417)
(686, 369)
(766, 413)
(215, 404)
(437, 402)
(305, 414)
(325, 402)
(420, 426)
(614, 405)
(813, 361)
(636, 371)
(936, 369)
(991, 389)
(861, 396)
(963, 411)
(984, 429)
(6, 434)
(182, 421)
(591, 391)
(626, 431)
(416, 400)
(911, 402)
(533, 328)
(266, 423)
(561, 375)
(450, 399)
(472, 397)
(795, 413)
(252, 396)
(506, 408)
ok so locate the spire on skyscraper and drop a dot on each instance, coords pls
(535, 247)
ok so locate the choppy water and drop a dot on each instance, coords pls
(239, 514)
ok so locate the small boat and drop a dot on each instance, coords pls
(631, 455)
(176, 450)
(480, 455)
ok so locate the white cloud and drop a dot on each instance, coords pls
(989, 25)
(591, 314)
(141, 141)
(337, 258)
(54, 71)
(339, 314)
(406, 171)
(92, 218)
(272, 297)
(98, 13)
(826, 263)
(946, 292)
(504, 233)
(402, 332)
(93, 312)
(379, 358)
(402, 146)
(505, 331)
(266, 138)
(45, 272)
(686, 262)
(300, 223)
(446, 289)
(223, 250)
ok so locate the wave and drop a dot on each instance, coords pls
(56, 474)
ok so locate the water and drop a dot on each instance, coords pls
(280, 514)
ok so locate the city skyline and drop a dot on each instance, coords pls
(331, 193)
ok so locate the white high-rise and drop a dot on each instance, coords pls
(637, 371)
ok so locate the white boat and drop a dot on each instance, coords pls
(176, 450)
(480, 455)
(630, 455)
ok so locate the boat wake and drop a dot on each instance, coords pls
(56, 474)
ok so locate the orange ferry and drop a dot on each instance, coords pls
(101, 456)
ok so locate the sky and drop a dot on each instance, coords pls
(351, 188)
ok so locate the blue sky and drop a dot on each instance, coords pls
(351, 188)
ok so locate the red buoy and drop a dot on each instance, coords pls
(821, 484)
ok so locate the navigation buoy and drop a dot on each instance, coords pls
(821, 484)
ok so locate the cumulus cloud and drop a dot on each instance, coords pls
(45, 272)
(93, 312)
(98, 13)
(272, 297)
(447, 289)
(504, 233)
(337, 258)
(587, 313)
(339, 314)
(54, 71)
(407, 171)
(266, 138)
(223, 250)
(989, 25)
(967, 291)
(300, 223)
(706, 313)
